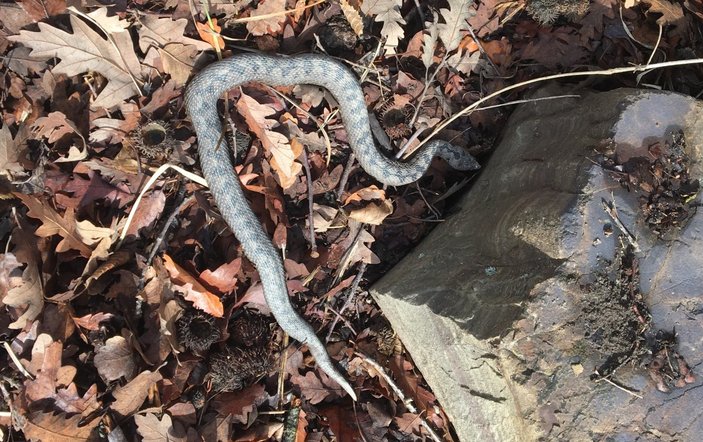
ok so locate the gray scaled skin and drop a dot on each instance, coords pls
(201, 103)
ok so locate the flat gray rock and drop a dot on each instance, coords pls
(511, 305)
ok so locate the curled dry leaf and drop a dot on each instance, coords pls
(193, 290)
(224, 278)
(375, 210)
(211, 35)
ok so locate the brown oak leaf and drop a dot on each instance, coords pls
(46, 426)
(85, 50)
(270, 22)
(53, 223)
(283, 152)
(154, 430)
(223, 278)
(193, 290)
(129, 398)
(25, 292)
(114, 360)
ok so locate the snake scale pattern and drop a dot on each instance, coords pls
(201, 98)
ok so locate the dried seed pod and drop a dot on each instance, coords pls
(154, 140)
(235, 368)
(250, 330)
(395, 119)
(197, 330)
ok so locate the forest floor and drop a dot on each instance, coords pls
(164, 335)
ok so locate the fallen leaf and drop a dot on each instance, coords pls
(223, 278)
(114, 130)
(111, 25)
(211, 35)
(284, 152)
(671, 13)
(455, 17)
(85, 50)
(50, 376)
(92, 321)
(44, 384)
(54, 126)
(91, 234)
(353, 17)
(311, 387)
(9, 155)
(270, 22)
(160, 31)
(154, 430)
(27, 292)
(114, 260)
(241, 404)
(149, 210)
(323, 217)
(388, 13)
(408, 423)
(41, 10)
(114, 360)
(53, 223)
(178, 60)
(193, 290)
(129, 398)
(46, 426)
(366, 194)
(10, 269)
(373, 213)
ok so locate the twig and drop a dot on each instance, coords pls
(311, 223)
(607, 72)
(612, 211)
(351, 293)
(16, 361)
(616, 385)
(282, 371)
(160, 171)
(345, 175)
(408, 402)
(172, 217)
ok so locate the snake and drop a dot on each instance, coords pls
(200, 99)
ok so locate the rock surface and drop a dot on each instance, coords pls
(511, 305)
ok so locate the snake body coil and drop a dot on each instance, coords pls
(201, 103)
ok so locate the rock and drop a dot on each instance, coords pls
(511, 306)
